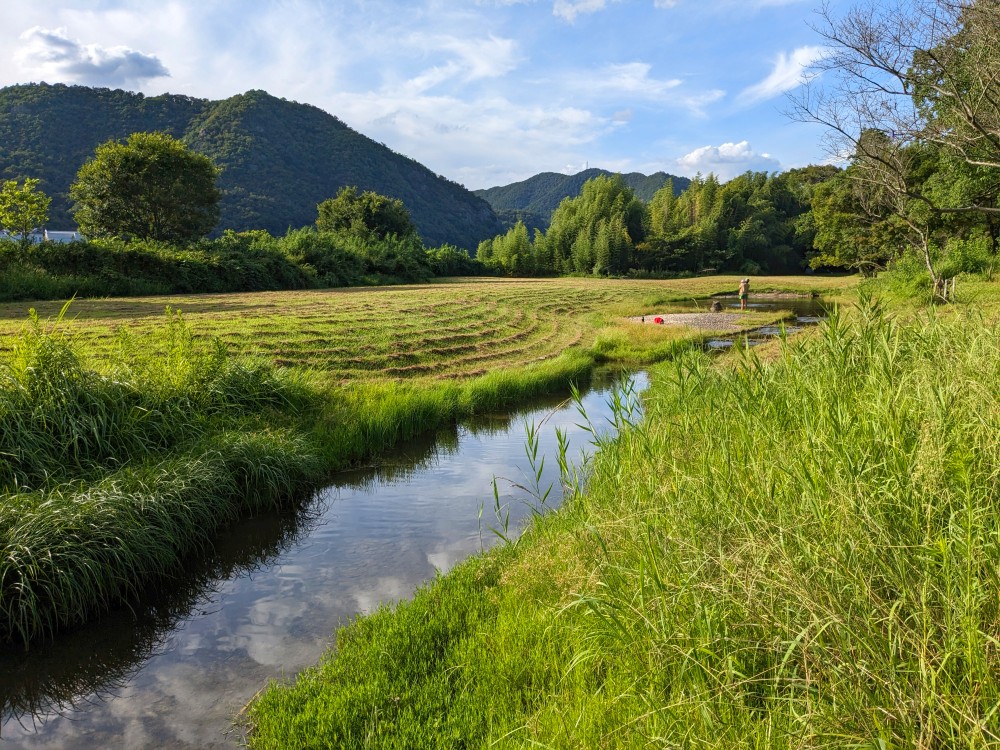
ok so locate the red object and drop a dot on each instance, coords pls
(658, 320)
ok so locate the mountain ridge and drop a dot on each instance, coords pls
(278, 158)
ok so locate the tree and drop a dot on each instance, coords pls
(913, 84)
(23, 208)
(369, 216)
(575, 232)
(150, 187)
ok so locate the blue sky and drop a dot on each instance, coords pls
(484, 92)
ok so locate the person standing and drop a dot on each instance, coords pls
(744, 293)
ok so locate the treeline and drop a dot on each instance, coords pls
(754, 223)
(235, 262)
(145, 206)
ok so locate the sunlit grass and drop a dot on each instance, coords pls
(453, 330)
(121, 426)
(798, 552)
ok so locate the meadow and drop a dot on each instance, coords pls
(132, 429)
(796, 546)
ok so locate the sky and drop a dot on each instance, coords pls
(483, 92)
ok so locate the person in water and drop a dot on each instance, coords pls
(744, 293)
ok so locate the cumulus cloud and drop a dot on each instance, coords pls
(51, 54)
(789, 71)
(727, 160)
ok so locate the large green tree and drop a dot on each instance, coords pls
(23, 208)
(150, 187)
(596, 231)
(368, 216)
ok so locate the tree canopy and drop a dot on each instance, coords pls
(912, 96)
(23, 208)
(150, 187)
(368, 216)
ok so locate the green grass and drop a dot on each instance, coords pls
(122, 435)
(455, 330)
(798, 549)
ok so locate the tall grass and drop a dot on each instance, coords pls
(818, 564)
(108, 478)
(69, 550)
(60, 418)
(800, 552)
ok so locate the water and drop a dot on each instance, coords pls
(807, 311)
(175, 672)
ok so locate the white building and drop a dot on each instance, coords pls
(62, 236)
(44, 235)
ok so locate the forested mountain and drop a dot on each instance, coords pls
(279, 159)
(532, 201)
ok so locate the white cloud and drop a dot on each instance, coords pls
(630, 78)
(788, 72)
(473, 59)
(726, 160)
(568, 10)
(665, 3)
(50, 54)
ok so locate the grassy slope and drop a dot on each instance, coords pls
(797, 550)
(125, 442)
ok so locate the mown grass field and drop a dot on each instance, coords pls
(452, 330)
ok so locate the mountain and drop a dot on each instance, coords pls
(533, 200)
(279, 159)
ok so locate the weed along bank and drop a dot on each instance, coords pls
(160, 569)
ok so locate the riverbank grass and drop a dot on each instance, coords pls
(798, 552)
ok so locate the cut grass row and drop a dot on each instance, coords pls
(452, 330)
(124, 437)
(792, 551)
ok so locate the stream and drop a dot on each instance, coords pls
(174, 672)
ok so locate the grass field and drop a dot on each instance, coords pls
(128, 435)
(452, 330)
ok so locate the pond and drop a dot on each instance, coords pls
(174, 672)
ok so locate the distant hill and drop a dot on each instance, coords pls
(533, 200)
(278, 158)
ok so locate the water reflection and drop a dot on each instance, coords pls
(92, 664)
(173, 671)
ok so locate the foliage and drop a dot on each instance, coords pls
(594, 233)
(846, 233)
(23, 209)
(533, 201)
(449, 260)
(151, 187)
(368, 216)
(278, 158)
(910, 96)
